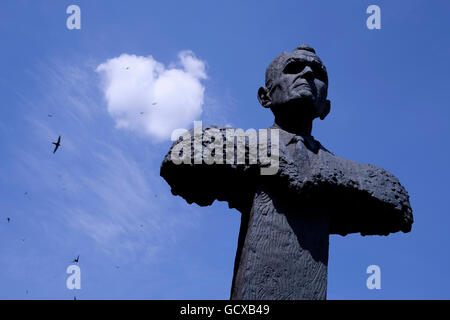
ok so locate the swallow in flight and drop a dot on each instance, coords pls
(57, 144)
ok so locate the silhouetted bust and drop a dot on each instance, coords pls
(287, 217)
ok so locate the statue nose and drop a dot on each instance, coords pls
(307, 73)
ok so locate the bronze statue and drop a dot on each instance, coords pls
(287, 216)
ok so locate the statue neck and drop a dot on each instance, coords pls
(299, 127)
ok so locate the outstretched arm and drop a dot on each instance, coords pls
(206, 165)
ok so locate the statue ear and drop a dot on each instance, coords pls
(263, 97)
(326, 111)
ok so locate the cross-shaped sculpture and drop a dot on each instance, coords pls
(287, 217)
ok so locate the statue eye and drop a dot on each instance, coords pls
(319, 73)
(294, 67)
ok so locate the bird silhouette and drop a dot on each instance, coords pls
(57, 144)
(9, 219)
(77, 259)
(154, 103)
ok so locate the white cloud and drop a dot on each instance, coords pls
(97, 184)
(144, 96)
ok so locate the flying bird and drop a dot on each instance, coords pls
(50, 115)
(154, 103)
(57, 144)
(9, 219)
(77, 259)
(127, 68)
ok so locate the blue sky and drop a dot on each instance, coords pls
(100, 196)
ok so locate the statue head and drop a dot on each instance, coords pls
(296, 86)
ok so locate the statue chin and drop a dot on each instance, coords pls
(298, 107)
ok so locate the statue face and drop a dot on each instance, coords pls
(298, 83)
